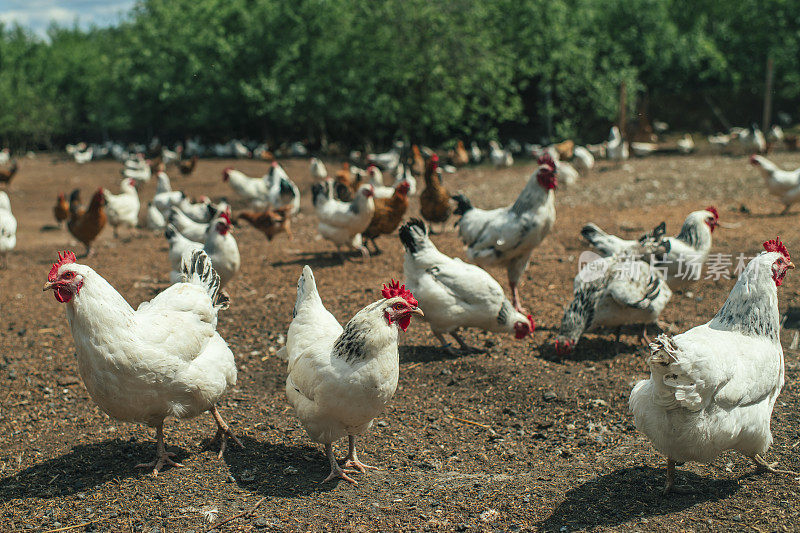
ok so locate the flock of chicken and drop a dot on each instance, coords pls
(711, 388)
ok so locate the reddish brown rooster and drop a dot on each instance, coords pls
(270, 222)
(388, 215)
(86, 225)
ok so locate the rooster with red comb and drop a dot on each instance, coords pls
(713, 387)
(340, 379)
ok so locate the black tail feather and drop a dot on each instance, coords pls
(409, 234)
(463, 202)
(199, 264)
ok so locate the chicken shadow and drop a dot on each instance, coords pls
(426, 353)
(319, 260)
(629, 493)
(272, 469)
(85, 467)
(591, 349)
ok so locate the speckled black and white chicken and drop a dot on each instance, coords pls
(507, 235)
(681, 258)
(610, 292)
(713, 387)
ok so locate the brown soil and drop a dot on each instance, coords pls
(506, 440)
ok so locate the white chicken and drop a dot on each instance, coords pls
(643, 149)
(341, 379)
(680, 259)
(611, 292)
(318, 170)
(454, 294)
(713, 387)
(154, 219)
(498, 156)
(403, 174)
(343, 222)
(582, 159)
(123, 209)
(686, 144)
(194, 231)
(8, 228)
(132, 362)
(617, 148)
(785, 184)
(273, 190)
(475, 153)
(566, 174)
(387, 160)
(142, 173)
(375, 177)
(219, 245)
(83, 157)
(507, 235)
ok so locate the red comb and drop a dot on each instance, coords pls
(64, 258)
(395, 289)
(546, 159)
(226, 216)
(713, 210)
(777, 246)
(435, 158)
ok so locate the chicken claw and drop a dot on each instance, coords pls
(163, 456)
(352, 458)
(336, 471)
(763, 466)
(223, 432)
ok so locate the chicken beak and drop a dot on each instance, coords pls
(790, 265)
(49, 285)
(417, 311)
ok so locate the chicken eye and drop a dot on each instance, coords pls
(398, 306)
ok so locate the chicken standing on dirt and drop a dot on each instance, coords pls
(785, 184)
(389, 213)
(123, 209)
(454, 294)
(270, 222)
(507, 235)
(134, 365)
(86, 225)
(7, 174)
(8, 229)
(343, 222)
(434, 202)
(341, 379)
(219, 244)
(681, 257)
(612, 292)
(713, 387)
(61, 209)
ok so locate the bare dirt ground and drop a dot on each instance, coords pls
(507, 440)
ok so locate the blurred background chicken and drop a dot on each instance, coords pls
(86, 224)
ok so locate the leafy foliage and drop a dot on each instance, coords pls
(366, 70)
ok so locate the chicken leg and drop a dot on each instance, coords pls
(465, 348)
(163, 457)
(336, 470)
(223, 432)
(515, 301)
(351, 461)
(763, 466)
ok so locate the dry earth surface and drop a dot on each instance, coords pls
(507, 440)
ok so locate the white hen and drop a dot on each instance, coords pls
(341, 379)
(343, 222)
(454, 294)
(713, 387)
(134, 363)
(123, 209)
(219, 244)
(8, 228)
(785, 184)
